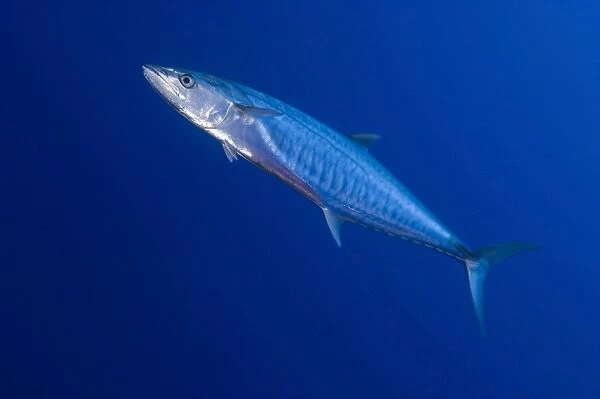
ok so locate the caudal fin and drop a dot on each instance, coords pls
(480, 264)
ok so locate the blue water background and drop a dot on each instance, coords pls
(136, 262)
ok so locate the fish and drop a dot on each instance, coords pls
(336, 172)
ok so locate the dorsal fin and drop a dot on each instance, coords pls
(364, 139)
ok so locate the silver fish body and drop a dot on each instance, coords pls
(334, 171)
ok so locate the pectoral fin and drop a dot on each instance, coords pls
(230, 153)
(334, 223)
(365, 139)
(256, 112)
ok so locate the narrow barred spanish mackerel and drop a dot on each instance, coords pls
(334, 171)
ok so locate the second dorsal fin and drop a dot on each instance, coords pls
(364, 139)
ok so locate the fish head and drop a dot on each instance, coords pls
(200, 97)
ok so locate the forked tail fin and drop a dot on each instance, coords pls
(480, 264)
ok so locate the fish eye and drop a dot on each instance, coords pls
(186, 81)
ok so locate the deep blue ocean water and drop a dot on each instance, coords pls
(137, 262)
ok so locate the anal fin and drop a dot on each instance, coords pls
(334, 223)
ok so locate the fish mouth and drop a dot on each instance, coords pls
(158, 78)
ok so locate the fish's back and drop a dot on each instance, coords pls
(346, 179)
